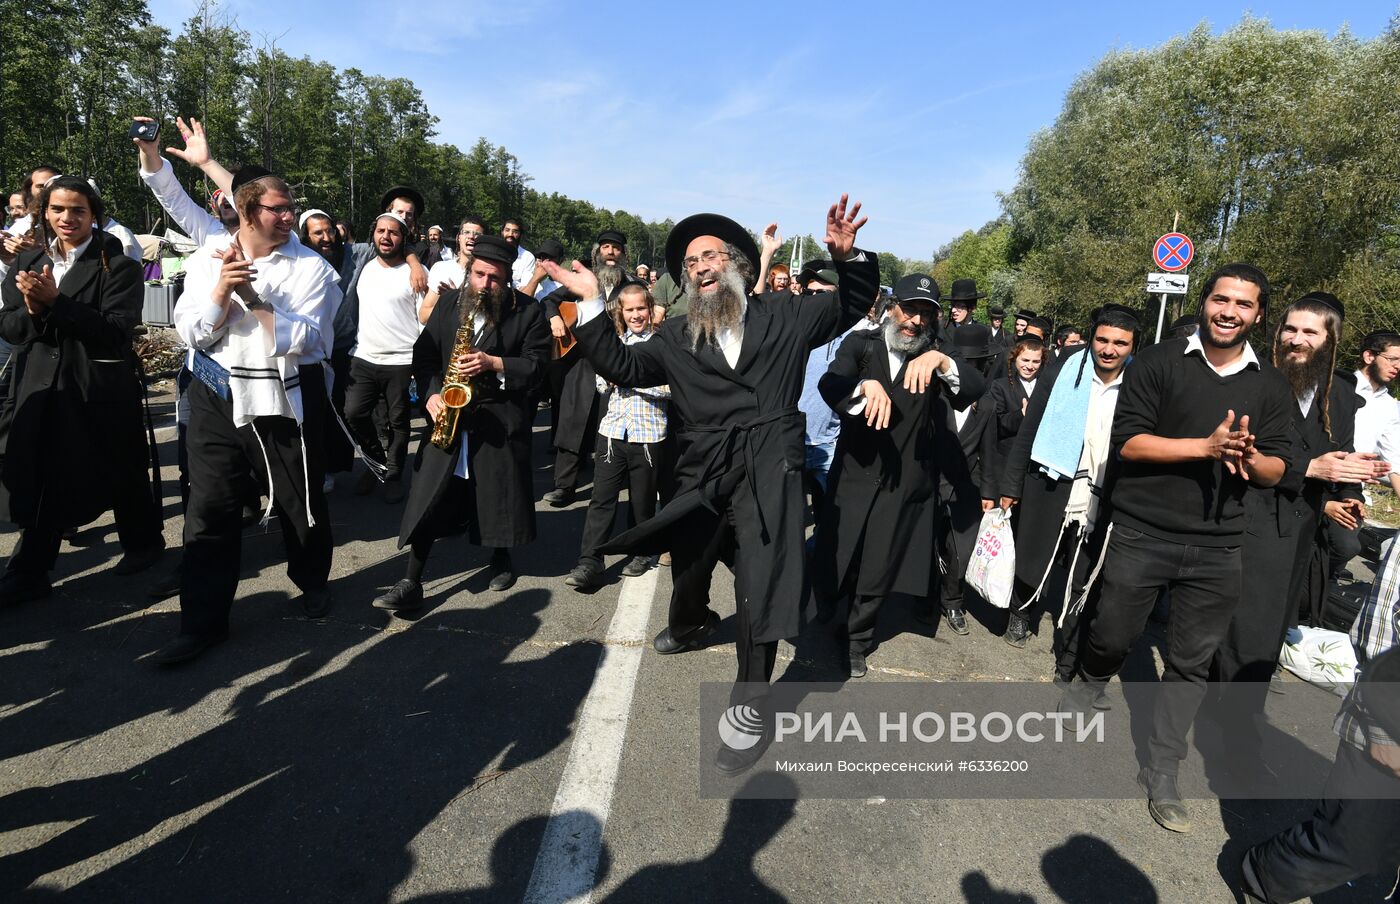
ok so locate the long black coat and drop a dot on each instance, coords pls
(1041, 511)
(75, 392)
(741, 435)
(1281, 521)
(578, 398)
(966, 461)
(496, 424)
(882, 506)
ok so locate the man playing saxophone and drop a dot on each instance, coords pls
(478, 478)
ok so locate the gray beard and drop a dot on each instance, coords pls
(907, 345)
(721, 309)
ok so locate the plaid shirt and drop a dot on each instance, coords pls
(633, 415)
(1377, 629)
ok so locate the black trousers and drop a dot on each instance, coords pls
(616, 464)
(692, 567)
(1347, 838)
(340, 455)
(220, 459)
(860, 621)
(134, 507)
(1343, 546)
(369, 385)
(1070, 637)
(1205, 586)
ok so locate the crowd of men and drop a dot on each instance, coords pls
(832, 441)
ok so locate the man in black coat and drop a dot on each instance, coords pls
(1000, 340)
(482, 477)
(1281, 521)
(735, 365)
(70, 304)
(1053, 521)
(883, 510)
(577, 427)
(964, 434)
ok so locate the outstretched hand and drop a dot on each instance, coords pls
(196, 151)
(772, 241)
(841, 229)
(578, 279)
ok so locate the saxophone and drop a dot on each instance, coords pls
(456, 390)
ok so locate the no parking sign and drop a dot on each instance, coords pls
(1173, 252)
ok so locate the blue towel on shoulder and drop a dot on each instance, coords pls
(1059, 442)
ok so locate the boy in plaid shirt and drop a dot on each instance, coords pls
(629, 449)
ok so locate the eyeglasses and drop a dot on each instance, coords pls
(923, 311)
(708, 257)
(281, 210)
(1390, 359)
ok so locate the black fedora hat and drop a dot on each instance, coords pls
(1025, 314)
(997, 312)
(551, 249)
(964, 290)
(696, 225)
(971, 341)
(403, 191)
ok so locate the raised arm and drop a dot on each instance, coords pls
(771, 241)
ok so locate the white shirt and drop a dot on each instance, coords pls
(193, 220)
(523, 268)
(448, 271)
(1093, 460)
(856, 403)
(388, 315)
(304, 293)
(130, 247)
(545, 288)
(1305, 401)
(1028, 386)
(478, 324)
(1377, 418)
(1247, 359)
(61, 265)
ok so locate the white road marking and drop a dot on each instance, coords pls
(567, 864)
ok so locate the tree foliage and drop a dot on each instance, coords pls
(1274, 147)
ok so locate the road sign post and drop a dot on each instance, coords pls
(1173, 253)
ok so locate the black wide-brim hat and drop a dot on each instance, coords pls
(963, 290)
(696, 225)
(403, 191)
(972, 341)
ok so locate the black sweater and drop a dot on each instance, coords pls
(1171, 394)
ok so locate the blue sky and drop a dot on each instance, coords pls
(759, 111)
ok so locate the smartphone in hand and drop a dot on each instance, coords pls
(143, 130)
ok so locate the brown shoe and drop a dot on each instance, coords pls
(665, 560)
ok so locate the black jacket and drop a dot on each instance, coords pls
(75, 392)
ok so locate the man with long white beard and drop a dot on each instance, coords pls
(1280, 561)
(482, 476)
(577, 428)
(882, 506)
(735, 365)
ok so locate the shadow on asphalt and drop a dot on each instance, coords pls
(316, 785)
(1083, 870)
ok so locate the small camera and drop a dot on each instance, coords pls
(145, 131)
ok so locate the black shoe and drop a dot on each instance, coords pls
(667, 643)
(1101, 701)
(1079, 696)
(186, 647)
(1164, 801)
(316, 603)
(393, 491)
(585, 578)
(163, 588)
(858, 667)
(732, 762)
(404, 596)
(637, 565)
(19, 587)
(957, 620)
(1017, 630)
(559, 497)
(502, 574)
(139, 560)
(364, 485)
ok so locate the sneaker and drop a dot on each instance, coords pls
(1017, 630)
(585, 578)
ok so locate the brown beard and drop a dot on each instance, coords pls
(492, 303)
(1306, 376)
(609, 275)
(718, 310)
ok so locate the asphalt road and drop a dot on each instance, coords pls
(495, 740)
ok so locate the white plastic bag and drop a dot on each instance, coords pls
(992, 568)
(1322, 657)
